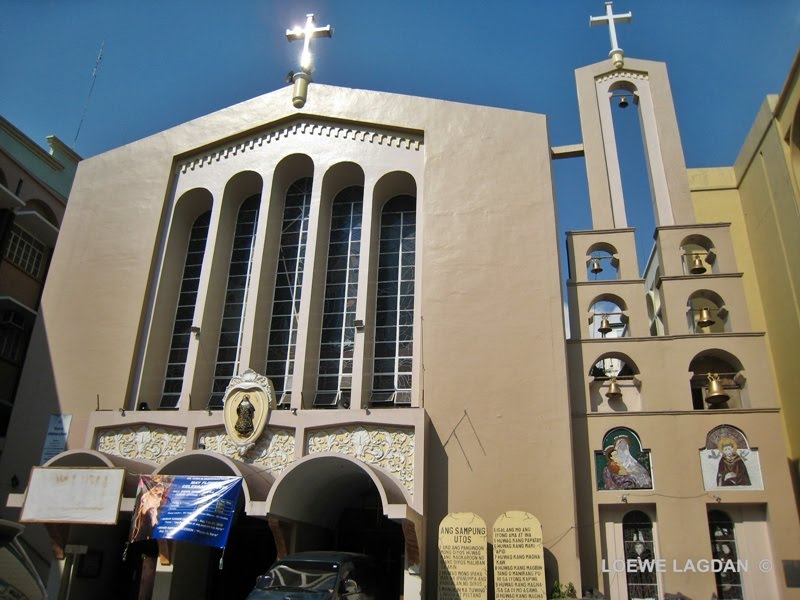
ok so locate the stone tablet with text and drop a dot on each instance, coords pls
(518, 557)
(462, 557)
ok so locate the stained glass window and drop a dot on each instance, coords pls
(339, 309)
(181, 331)
(394, 310)
(288, 286)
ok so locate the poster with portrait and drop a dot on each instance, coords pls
(189, 508)
(728, 462)
(623, 464)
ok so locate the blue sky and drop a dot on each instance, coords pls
(166, 62)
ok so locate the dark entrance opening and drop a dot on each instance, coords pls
(363, 528)
(348, 516)
(250, 552)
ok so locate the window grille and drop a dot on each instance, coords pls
(637, 534)
(12, 345)
(25, 251)
(723, 548)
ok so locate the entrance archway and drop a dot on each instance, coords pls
(204, 572)
(334, 502)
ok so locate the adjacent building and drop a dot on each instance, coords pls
(760, 196)
(34, 186)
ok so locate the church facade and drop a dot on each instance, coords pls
(356, 308)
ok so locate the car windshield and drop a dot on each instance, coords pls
(316, 576)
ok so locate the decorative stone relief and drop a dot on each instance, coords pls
(622, 75)
(340, 131)
(146, 442)
(389, 448)
(274, 450)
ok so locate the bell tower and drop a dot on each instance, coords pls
(645, 85)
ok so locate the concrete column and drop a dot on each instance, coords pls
(163, 581)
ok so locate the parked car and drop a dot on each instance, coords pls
(318, 576)
(18, 577)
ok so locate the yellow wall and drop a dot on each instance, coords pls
(759, 197)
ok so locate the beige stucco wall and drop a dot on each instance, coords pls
(678, 502)
(490, 343)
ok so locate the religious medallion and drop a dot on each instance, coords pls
(246, 409)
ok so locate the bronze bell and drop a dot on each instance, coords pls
(596, 268)
(605, 326)
(705, 319)
(697, 266)
(614, 391)
(623, 102)
(716, 392)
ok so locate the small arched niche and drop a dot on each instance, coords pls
(602, 262)
(697, 255)
(44, 210)
(614, 384)
(717, 381)
(706, 313)
(608, 317)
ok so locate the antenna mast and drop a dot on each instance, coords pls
(91, 89)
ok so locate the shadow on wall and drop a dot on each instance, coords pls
(436, 503)
(36, 399)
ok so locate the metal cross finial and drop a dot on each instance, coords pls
(306, 34)
(616, 53)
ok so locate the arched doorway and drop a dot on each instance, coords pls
(334, 502)
(209, 573)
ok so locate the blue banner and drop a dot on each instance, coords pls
(189, 508)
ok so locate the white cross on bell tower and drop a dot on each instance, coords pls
(303, 78)
(617, 55)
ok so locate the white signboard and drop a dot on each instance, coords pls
(73, 495)
(56, 441)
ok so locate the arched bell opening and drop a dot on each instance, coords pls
(698, 256)
(706, 313)
(608, 317)
(634, 153)
(717, 381)
(602, 262)
(199, 571)
(614, 384)
(333, 502)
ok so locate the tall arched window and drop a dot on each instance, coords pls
(723, 548)
(334, 382)
(181, 331)
(637, 535)
(235, 297)
(288, 286)
(394, 311)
